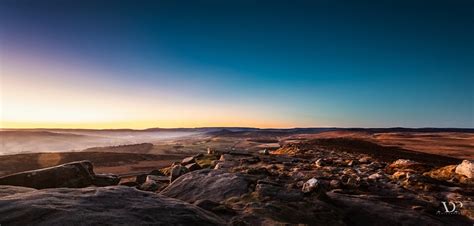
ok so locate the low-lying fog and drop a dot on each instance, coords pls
(31, 141)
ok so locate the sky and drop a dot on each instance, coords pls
(142, 64)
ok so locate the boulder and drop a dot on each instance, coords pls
(444, 173)
(225, 164)
(163, 179)
(176, 171)
(320, 163)
(375, 176)
(72, 175)
(154, 183)
(193, 167)
(466, 168)
(118, 205)
(214, 185)
(310, 186)
(407, 165)
(188, 160)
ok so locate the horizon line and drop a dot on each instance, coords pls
(244, 127)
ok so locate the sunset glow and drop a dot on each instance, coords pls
(103, 69)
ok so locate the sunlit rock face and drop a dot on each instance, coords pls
(466, 168)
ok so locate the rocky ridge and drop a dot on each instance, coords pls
(304, 183)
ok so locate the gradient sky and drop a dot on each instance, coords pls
(139, 64)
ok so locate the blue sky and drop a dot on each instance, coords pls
(248, 63)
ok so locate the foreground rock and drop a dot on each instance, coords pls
(214, 185)
(363, 210)
(97, 206)
(71, 175)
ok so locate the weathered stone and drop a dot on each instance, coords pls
(163, 179)
(188, 160)
(154, 183)
(102, 180)
(215, 185)
(150, 186)
(177, 171)
(407, 165)
(466, 168)
(193, 166)
(320, 163)
(375, 176)
(311, 185)
(351, 163)
(72, 175)
(225, 164)
(400, 175)
(444, 173)
(117, 205)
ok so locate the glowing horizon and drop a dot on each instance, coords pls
(88, 65)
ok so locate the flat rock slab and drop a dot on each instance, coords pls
(71, 175)
(117, 205)
(214, 185)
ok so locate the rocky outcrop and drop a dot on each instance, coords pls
(407, 166)
(466, 168)
(445, 173)
(176, 171)
(306, 185)
(214, 185)
(118, 205)
(70, 175)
